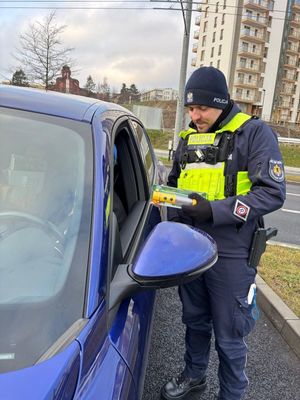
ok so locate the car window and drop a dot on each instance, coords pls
(46, 166)
(130, 190)
(145, 150)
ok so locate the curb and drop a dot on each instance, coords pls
(292, 170)
(285, 321)
(282, 244)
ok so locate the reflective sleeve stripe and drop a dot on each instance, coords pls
(243, 184)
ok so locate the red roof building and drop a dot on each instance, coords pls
(65, 83)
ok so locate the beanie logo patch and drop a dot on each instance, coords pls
(189, 97)
(221, 101)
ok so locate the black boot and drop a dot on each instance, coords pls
(179, 387)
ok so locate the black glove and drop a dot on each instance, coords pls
(173, 215)
(201, 211)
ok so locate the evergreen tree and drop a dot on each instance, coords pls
(124, 94)
(19, 78)
(90, 85)
(134, 93)
(128, 95)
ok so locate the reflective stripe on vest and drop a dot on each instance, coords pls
(183, 134)
(202, 177)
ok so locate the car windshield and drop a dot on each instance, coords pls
(45, 217)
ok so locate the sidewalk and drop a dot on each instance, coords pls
(285, 321)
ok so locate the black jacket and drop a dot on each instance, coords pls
(255, 150)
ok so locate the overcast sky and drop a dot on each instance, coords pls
(132, 46)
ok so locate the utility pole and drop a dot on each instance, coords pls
(187, 15)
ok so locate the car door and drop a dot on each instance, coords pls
(134, 173)
(104, 373)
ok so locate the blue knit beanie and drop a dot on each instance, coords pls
(206, 87)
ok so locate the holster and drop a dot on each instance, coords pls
(258, 246)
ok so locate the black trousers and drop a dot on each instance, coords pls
(218, 300)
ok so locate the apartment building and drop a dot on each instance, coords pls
(286, 107)
(160, 94)
(256, 44)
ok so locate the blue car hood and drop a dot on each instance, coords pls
(55, 378)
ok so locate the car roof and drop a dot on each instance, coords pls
(52, 103)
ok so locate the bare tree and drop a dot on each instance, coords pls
(103, 90)
(41, 52)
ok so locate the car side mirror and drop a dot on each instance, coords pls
(173, 254)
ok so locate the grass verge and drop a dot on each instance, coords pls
(159, 139)
(290, 154)
(166, 162)
(292, 178)
(280, 269)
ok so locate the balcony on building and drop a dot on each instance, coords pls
(199, 7)
(290, 63)
(195, 47)
(254, 20)
(194, 62)
(247, 51)
(253, 36)
(289, 76)
(197, 34)
(244, 82)
(295, 20)
(249, 67)
(292, 48)
(258, 4)
(197, 20)
(242, 97)
(294, 34)
(287, 90)
(283, 118)
(285, 104)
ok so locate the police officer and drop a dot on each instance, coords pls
(233, 159)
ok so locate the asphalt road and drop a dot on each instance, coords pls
(287, 219)
(272, 368)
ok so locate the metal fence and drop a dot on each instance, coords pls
(151, 117)
(288, 140)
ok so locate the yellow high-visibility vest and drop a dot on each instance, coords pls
(202, 177)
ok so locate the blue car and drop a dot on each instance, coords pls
(82, 248)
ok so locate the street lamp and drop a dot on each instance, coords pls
(263, 98)
(187, 15)
(263, 101)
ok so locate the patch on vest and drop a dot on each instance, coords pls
(276, 171)
(195, 139)
(241, 210)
